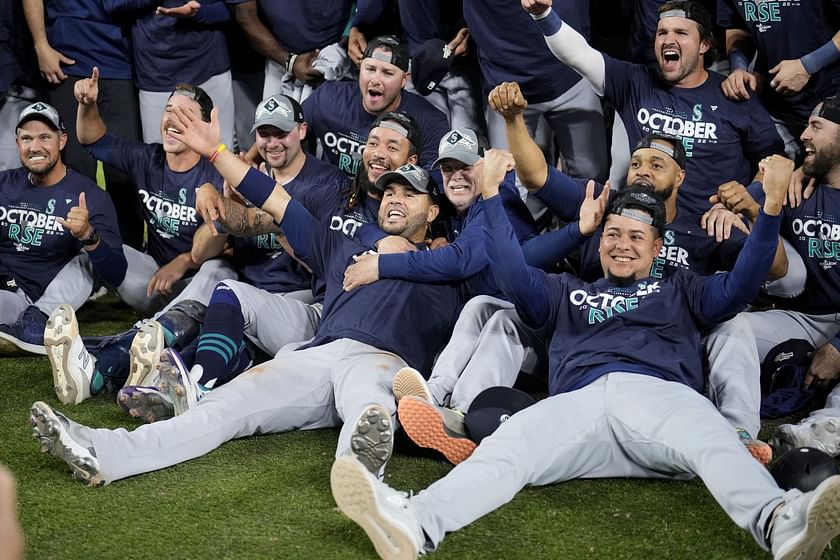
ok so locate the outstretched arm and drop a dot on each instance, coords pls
(568, 45)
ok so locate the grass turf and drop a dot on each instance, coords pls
(269, 497)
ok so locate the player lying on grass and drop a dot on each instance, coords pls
(625, 378)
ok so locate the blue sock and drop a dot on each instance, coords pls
(221, 339)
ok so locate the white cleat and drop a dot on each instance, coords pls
(385, 514)
(804, 526)
(144, 355)
(408, 382)
(819, 433)
(72, 364)
(54, 433)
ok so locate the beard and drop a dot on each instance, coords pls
(823, 163)
(409, 229)
(621, 281)
(664, 194)
(42, 172)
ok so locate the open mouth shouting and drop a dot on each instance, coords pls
(670, 59)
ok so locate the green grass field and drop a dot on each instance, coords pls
(269, 497)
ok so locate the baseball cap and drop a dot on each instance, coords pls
(688, 10)
(280, 111)
(828, 109)
(460, 144)
(397, 53)
(430, 65)
(402, 123)
(43, 112)
(491, 407)
(782, 374)
(674, 147)
(412, 175)
(640, 203)
(205, 102)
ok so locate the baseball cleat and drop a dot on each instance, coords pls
(175, 382)
(819, 433)
(435, 427)
(385, 514)
(372, 441)
(25, 336)
(803, 526)
(144, 354)
(761, 451)
(146, 403)
(55, 433)
(72, 365)
(409, 382)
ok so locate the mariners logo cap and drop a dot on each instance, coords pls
(391, 50)
(782, 374)
(43, 112)
(640, 203)
(460, 144)
(430, 65)
(491, 408)
(669, 145)
(280, 111)
(413, 176)
(828, 109)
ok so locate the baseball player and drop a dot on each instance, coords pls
(722, 138)
(363, 338)
(54, 223)
(813, 315)
(166, 177)
(624, 376)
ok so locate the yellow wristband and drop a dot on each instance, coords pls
(221, 148)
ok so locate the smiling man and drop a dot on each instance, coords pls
(341, 113)
(723, 139)
(48, 214)
(624, 398)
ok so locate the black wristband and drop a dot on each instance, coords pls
(92, 239)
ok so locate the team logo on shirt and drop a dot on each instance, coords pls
(167, 216)
(765, 11)
(693, 130)
(601, 306)
(26, 227)
(822, 235)
(346, 148)
(670, 255)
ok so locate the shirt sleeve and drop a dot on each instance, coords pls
(564, 195)
(125, 155)
(546, 250)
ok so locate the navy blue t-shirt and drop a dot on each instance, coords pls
(511, 47)
(411, 320)
(337, 118)
(652, 327)
(814, 231)
(302, 25)
(787, 30)
(167, 197)
(87, 32)
(170, 50)
(34, 247)
(722, 138)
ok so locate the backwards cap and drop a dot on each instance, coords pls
(829, 109)
(674, 147)
(640, 203)
(397, 53)
(198, 95)
(402, 123)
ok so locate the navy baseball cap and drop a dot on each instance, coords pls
(460, 144)
(280, 111)
(402, 123)
(396, 53)
(782, 374)
(628, 203)
(413, 176)
(828, 109)
(43, 112)
(671, 146)
(491, 408)
(430, 65)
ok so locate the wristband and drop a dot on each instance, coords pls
(221, 148)
(91, 240)
(256, 187)
(549, 22)
(290, 62)
(818, 59)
